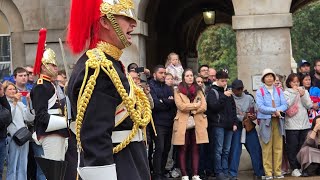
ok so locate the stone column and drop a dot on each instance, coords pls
(263, 37)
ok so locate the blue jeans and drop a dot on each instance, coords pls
(38, 152)
(222, 142)
(254, 149)
(3, 154)
(17, 160)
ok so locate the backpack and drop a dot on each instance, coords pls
(215, 92)
(262, 91)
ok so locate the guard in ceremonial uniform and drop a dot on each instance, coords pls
(111, 111)
(50, 122)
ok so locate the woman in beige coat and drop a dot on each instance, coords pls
(190, 101)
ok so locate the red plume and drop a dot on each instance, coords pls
(40, 50)
(83, 24)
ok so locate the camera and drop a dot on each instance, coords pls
(283, 114)
(139, 69)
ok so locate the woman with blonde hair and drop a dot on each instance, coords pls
(190, 124)
(174, 67)
(18, 153)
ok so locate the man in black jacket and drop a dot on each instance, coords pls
(222, 119)
(163, 113)
(3, 128)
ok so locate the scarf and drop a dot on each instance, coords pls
(190, 92)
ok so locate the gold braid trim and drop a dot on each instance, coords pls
(97, 60)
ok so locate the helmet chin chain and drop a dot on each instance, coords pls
(52, 74)
(118, 30)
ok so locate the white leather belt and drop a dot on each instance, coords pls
(54, 111)
(120, 136)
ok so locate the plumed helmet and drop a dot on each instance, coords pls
(84, 21)
(44, 55)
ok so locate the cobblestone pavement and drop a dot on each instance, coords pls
(248, 175)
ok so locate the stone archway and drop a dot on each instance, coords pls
(178, 26)
(11, 12)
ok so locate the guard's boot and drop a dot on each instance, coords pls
(53, 170)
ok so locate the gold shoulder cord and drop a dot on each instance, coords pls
(141, 115)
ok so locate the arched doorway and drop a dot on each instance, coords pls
(5, 47)
(178, 26)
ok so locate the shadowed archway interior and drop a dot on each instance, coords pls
(175, 26)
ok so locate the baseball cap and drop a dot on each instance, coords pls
(236, 84)
(303, 62)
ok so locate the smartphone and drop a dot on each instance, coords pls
(283, 114)
(24, 93)
(139, 69)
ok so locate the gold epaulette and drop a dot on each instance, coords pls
(40, 81)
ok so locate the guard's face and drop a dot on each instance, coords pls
(21, 78)
(188, 77)
(127, 26)
(52, 70)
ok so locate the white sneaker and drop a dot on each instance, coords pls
(196, 177)
(296, 173)
(185, 178)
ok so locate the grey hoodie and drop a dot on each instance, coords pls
(243, 103)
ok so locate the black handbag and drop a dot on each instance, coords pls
(22, 136)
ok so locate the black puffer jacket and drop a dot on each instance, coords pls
(4, 124)
(221, 112)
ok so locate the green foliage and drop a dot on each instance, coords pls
(305, 33)
(217, 48)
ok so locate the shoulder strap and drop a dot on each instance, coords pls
(278, 90)
(262, 91)
(216, 92)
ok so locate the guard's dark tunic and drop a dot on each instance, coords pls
(99, 122)
(40, 94)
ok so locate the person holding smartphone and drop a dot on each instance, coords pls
(190, 101)
(297, 125)
(270, 102)
(246, 114)
(222, 118)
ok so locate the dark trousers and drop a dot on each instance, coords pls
(162, 147)
(190, 144)
(294, 141)
(206, 157)
(150, 140)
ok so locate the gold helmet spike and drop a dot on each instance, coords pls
(118, 7)
(49, 57)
